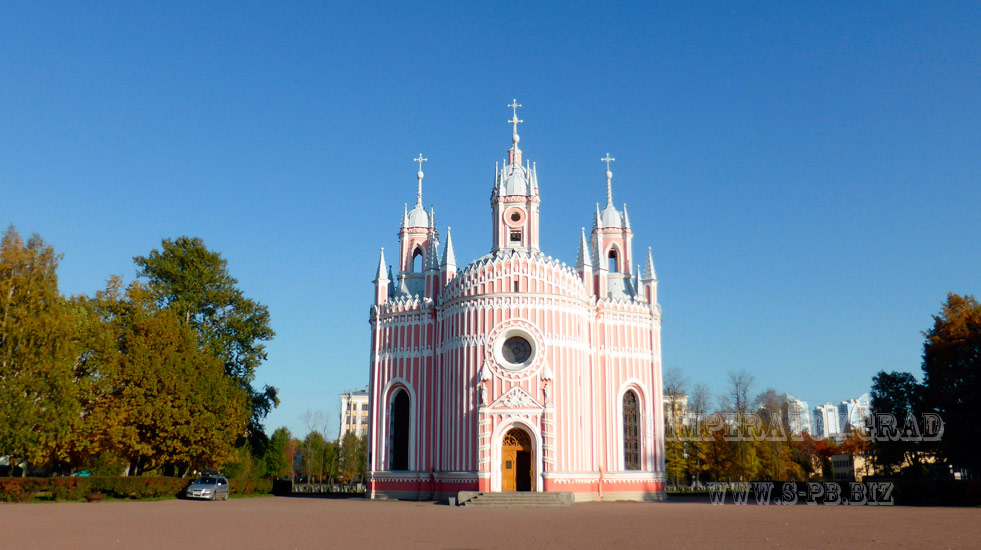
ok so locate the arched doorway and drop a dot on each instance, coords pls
(516, 463)
(399, 431)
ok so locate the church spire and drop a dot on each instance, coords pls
(515, 153)
(609, 177)
(405, 215)
(419, 175)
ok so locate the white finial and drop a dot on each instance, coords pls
(609, 176)
(419, 175)
(515, 121)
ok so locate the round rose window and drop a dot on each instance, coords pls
(516, 350)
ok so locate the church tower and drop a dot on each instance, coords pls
(515, 199)
(611, 242)
(419, 240)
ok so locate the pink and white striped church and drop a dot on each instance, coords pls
(516, 372)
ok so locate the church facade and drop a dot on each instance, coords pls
(516, 372)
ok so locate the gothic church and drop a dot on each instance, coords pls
(516, 372)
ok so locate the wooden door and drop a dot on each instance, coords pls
(516, 463)
(508, 465)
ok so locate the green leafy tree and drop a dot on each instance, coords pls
(314, 455)
(157, 398)
(354, 456)
(39, 352)
(897, 394)
(279, 453)
(194, 282)
(952, 379)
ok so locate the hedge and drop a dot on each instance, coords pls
(24, 489)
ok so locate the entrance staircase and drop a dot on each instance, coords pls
(520, 499)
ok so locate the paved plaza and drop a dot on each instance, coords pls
(299, 523)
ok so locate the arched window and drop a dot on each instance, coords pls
(399, 431)
(631, 431)
(612, 261)
(416, 266)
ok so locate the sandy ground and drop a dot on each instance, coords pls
(288, 523)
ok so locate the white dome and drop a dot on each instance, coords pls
(418, 217)
(609, 217)
(516, 182)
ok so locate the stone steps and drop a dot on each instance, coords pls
(522, 499)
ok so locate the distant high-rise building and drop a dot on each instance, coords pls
(354, 413)
(854, 412)
(798, 415)
(826, 420)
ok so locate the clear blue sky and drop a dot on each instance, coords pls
(807, 173)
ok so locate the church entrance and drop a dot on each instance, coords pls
(516, 470)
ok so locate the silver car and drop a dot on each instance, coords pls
(209, 488)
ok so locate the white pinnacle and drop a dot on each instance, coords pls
(380, 276)
(582, 259)
(449, 257)
(649, 273)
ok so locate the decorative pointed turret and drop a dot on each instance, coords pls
(405, 216)
(584, 263)
(583, 259)
(449, 257)
(448, 269)
(381, 280)
(649, 273)
(380, 274)
(626, 218)
(433, 257)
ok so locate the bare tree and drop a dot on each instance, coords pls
(674, 382)
(316, 421)
(698, 401)
(739, 384)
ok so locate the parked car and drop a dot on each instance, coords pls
(209, 488)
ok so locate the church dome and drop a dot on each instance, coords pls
(516, 182)
(418, 217)
(610, 217)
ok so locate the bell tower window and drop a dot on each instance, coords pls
(416, 265)
(515, 236)
(613, 265)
